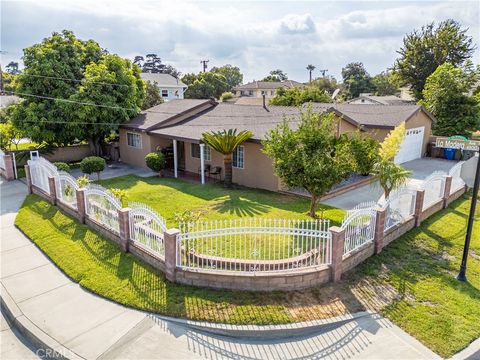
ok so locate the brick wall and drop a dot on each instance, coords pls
(398, 230)
(358, 256)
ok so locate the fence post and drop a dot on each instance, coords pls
(419, 207)
(9, 171)
(124, 227)
(28, 176)
(446, 192)
(379, 229)
(80, 194)
(52, 187)
(170, 240)
(338, 245)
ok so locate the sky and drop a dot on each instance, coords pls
(257, 36)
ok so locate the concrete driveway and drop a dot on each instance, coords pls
(421, 168)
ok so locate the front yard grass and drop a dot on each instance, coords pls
(411, 281)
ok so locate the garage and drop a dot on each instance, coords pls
(412, 145)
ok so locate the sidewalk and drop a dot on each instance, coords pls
(78, 324)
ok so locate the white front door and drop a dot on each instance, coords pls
(412, 145)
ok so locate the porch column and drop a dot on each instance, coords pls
(175, 160)
(202, 162)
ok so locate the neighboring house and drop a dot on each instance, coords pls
(176, 129)
(6, 100)
(267, 88)
(170, 88)
(379, 100)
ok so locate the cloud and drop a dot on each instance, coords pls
(297, 24)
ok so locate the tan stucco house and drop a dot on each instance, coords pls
(176, 128)
(258, 89)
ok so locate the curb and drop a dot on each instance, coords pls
(46, 345)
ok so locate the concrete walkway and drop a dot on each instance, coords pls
(77, 324)
(116, 169)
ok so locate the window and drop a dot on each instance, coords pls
(134, 140)
(250, 92)
(164, 93)
(195, 152)
(239, 157)
(264, 92)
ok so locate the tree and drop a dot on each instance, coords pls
(47, 65)
(390, 175)
(445, 96)
(327, 83)
(385, 84)
(153, 64)
(310, 68)
(297, 96)
(92, 164)
(425, 49)
(225, 142)
(12, 68)
(356, 80)
(9, 135)
(276, 75)
(152, 95)
(115, 84)
(231, 73)
(310, 157)
(205, 85)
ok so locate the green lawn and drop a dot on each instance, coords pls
(411, 281)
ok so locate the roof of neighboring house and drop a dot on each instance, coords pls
(6, 100)
(254, 85)
(163, 79)
(383, 100)
(250, 100)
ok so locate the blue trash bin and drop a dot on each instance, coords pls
(449, 153)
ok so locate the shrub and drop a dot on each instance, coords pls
(62, 166)
(122, 194)
(83, 181)
(93, 164)
(226, 96)
(155, 161)
(365, 151)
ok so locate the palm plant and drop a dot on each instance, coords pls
(225, 142)
(310, 68)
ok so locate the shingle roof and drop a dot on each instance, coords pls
(254, 85)
(385, 100)
(166, 80)
(250, 100)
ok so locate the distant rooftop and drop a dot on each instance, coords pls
(254, 85)
(166, 80)
(382, 100)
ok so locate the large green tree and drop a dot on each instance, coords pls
(310, 156)
(327, 83)
(445, 96)
(232, 74)
(297, 96)
(276, 75)
(425, 49)
(385, 83)
(205, 85)
(356, 80)
(152, 95)
(52, 73)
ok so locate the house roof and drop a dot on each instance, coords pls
(250, 100)
(254, 85)
(166, 80)
(383, 100)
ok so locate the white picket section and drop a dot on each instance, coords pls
(359, 226)
(147, 228)
(66, 187)
(399, 206)
(102, 207)
(456, 174)
(434, 186)
(2, 160)
(40, 171)
(254, 245)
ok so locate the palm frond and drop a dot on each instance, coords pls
(226, 141)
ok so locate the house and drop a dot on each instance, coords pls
(169, 87)
(176, 128)
(268, 88)
(379, 100)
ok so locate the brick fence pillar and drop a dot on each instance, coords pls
(419, 207)
(9, 170)
(379, 229)
(80, 194)
(338, 244)
(170, 241)
(28, 176)
(52, 187)
(446, 192)
(124, 224)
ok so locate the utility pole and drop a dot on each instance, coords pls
(204, 63)
(323, 72)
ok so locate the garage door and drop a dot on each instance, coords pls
(412, 145)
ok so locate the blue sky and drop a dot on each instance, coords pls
(257, 36)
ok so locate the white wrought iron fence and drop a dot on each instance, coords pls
(66, 187)
(254, 245)
(147, 227)
(456, 174)
(434, 186)
(399, 206)
(359, 226)
(40, 171)
(102, 207)
(2, 160)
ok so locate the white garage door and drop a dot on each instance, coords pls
(412, 145)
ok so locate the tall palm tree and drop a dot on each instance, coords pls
(310, 68)
(225, 142)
